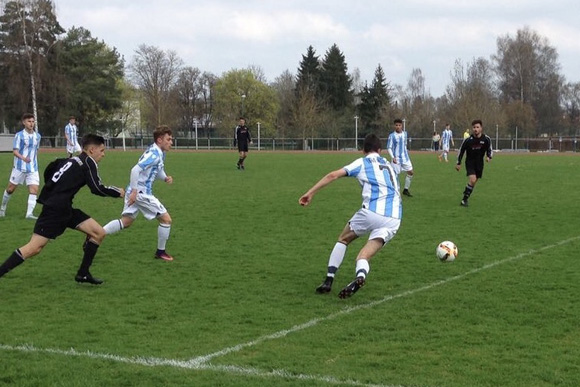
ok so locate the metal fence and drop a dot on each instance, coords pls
(543, 144)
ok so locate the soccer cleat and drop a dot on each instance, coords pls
(326, 286)
(407, 193)
(2, 213)
(238, 165)
(88, 279)
(163, 255)
(352, 288)
(464, 203)
(30, 216)
(243, 168)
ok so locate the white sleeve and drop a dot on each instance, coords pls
(161, 175)
(135, 171)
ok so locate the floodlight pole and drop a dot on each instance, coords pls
(196, 143)
(258, 135)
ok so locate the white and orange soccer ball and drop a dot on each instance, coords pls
(446, 251)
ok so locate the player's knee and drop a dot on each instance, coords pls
(98, 234)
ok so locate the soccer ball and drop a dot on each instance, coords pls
(446, 251)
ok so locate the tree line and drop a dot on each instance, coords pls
(57, 73)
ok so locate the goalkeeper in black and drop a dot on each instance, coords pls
(476, 146)
(242, 138)
(63, 179)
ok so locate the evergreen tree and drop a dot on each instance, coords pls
(375, 102)
(309, 72)
(335, 83)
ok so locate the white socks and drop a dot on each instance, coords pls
(31, 204)
(336, 257)
(5, 198)
(362, 268)
(113, 226)
(162, 235)
(408, 179)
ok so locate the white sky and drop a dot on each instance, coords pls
(220, 35)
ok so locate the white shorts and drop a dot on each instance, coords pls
(30, 178)
(73, 148)
(406, 166)
(148, 205)
(367, 222)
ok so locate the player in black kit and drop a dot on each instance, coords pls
(241, 138)
(63, 179)
(476, 147)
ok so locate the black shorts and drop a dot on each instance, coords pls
(53, 221)
(243, 147)
(474, 169)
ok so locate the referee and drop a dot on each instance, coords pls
(476, 146)
(241, 138)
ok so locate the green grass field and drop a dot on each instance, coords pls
(237, 307)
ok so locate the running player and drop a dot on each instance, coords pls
(63, 179)
(71, 135)
(476, 147)
(139, 196)
(242, 138)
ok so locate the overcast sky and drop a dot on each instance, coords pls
(220, 35)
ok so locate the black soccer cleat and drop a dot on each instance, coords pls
(326, 286)
(407, 193)
(352, 288)
(464, 203)
(88, 279)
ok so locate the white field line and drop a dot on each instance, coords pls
(202, 362)
(348, 310)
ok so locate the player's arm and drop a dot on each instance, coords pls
(236, 135)
(326, 180)
(249, 136)
(390, 149)
(94, 182)
(461, 152)
(489, 151)
(161, 175)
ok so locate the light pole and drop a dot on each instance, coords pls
(243, 98)
(496, 135)
(404, 124)
(258, 135)
(195, 123)
(434, 126)
(356, 132)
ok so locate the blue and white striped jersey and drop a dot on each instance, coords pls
(380, 185)
(446, 137)
(151, 164)
(27, 145)
(72, 132)
(397, 147)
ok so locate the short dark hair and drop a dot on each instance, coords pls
(161, 131)
(92, 139)
(398, 121)
(371, 143)
(72, 118)
(476, 122)
(26, 116)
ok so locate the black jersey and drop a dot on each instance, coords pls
(243, 136)
(63, 178)
(475, 149)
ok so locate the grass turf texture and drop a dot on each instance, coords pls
(247, 261)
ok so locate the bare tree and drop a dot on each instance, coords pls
(155, 72)
(528, 70)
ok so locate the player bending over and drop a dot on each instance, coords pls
(380, 215)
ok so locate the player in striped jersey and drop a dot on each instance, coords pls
(397, 149)
(71, 135)
(25, 171)
(139, 194)
(380, 215)
(446, 139)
